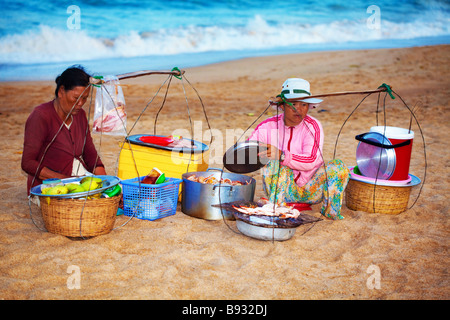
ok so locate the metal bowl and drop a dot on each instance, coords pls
(375, 161)
(263, 233)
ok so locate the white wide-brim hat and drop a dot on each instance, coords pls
(299, 90)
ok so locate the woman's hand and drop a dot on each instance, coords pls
(272, 152)
(100, 171)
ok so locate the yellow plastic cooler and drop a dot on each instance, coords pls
(138, 158)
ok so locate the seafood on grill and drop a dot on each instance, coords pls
(271, 210)
(213, 180)
(249, 211)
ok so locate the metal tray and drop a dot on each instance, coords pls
(108, 182)
(410, 182)
(200, 147)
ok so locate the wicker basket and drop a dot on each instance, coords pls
(359, 196)
(79, 217)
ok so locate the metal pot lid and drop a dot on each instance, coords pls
(243, 157)
(374, 161)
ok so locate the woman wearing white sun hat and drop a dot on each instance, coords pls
(296, 171)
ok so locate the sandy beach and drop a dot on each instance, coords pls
(180, 257)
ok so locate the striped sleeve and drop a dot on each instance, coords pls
(311, 139)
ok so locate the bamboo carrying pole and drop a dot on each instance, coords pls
(135, 74)
(278, 99)
(177, 72)
(346, 92)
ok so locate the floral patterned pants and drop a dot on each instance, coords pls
(327, 185)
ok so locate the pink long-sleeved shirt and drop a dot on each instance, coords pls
(302, 144)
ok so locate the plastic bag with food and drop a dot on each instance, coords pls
(110, 116)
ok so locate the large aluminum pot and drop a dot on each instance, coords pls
(198, 198)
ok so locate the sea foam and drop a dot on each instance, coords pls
(47, 44)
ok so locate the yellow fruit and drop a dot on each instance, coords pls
(58, 190)
(45, 190)
(74, 188)
(90, 185)
(95, 196)
(98, 180)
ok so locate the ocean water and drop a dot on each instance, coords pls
(39, 39)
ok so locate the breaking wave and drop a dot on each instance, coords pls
(47, 44)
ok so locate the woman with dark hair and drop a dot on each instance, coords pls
(57, 141)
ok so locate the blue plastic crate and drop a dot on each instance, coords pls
(150, 201)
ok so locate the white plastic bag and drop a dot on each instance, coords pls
(110, 116)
